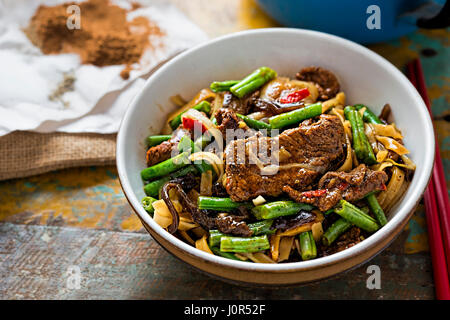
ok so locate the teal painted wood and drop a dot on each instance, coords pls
(35, 261)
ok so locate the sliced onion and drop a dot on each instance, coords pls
(213, 159)
(207, 123)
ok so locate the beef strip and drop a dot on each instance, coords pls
(163, 151)
(229, 224)
(334, 186)
(228, 120)
(315, 147)
(233, 225)
(326, 82)
(241, 106)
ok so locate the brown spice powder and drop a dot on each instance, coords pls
(105, 37)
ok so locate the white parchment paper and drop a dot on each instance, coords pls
(100, 95)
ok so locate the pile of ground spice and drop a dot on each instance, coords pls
(105, 36)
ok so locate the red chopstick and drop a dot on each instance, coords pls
(440, 184)
(436, 203)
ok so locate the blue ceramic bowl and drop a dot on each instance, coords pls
(363, 21)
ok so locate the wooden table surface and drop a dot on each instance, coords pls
(77, 220)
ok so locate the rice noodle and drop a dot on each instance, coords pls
(186, 237)
(257, 257)
(204, 94)
(285, 248)
(347, 165)
(387, 130)
(275, 246)
(392, 145)
(338, 100)
(206, 183)
(397, 197)
(178, 100)
(370, 134)
(163, 217)
(381, 155)
(317, 231)
(381, 166)
(202, 244)
(393, 188)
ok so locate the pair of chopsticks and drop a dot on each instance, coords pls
(436, 202)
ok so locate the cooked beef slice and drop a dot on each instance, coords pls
(233, 225)
(326, 81)
(241, 106)
(228, 120)
(228, 224)
(334, 186)
(314, 148)
(163, 151)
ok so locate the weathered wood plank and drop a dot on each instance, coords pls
(34, 261)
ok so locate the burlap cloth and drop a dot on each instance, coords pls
(25, 153)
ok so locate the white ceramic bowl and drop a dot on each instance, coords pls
(365, 77)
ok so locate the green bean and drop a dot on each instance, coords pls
(203, 106)
(358, 146)
(354, 215)
(368, 115)
(295, 116)
(369, 156)
(214, 237)
(155, 140)
(228, 255)
(278, 208)
(258, 228)
(335, 230)
(187, 145)
(218, 86)
(255, 124)
(308, 248)
(147, 204)
(253, 81)
(220, 204)
(376, 209)
(262, 227)
(152, 189)
(361, 144)
(239, 244)
(163, 168)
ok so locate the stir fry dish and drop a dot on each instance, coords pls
(270, 169)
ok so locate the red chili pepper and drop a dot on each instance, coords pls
(343, 185)
(314, 193)
(383, 187)
(295, 96)
(190, 124)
